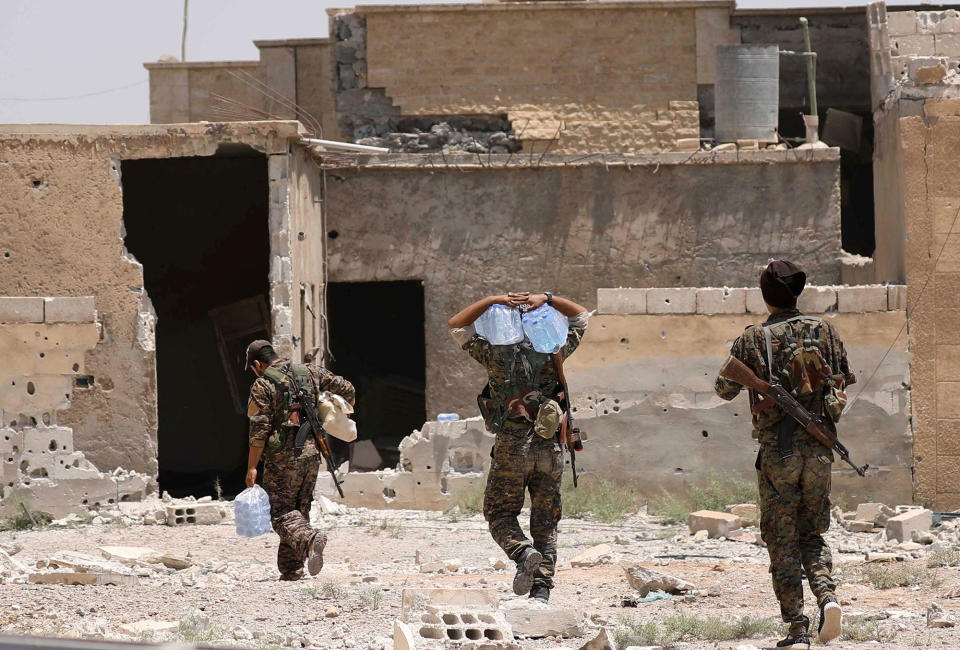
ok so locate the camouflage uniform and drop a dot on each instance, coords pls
(794, 492)
(519, 378)
(289, 477)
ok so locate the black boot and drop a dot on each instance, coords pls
(797, 638)
(540, 593)
(527, 564)
(831, 625)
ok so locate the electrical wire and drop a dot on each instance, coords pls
(58, 99)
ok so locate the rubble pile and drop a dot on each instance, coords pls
(448, 139)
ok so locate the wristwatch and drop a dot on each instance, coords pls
(549, 297)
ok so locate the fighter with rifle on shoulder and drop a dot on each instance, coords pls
(526, 404)
(286, 431)
(796, 370)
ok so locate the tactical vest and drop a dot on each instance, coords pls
(283, 430)
(518, 391)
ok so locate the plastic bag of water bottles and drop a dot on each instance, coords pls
(546, 328)
(500, 325)
(251, 510)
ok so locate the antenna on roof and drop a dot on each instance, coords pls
(183, 38)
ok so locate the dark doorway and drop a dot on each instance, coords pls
(377, 341)
(199, 228)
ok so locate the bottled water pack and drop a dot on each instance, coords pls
(251, 511)
(500, 325)
(546, 328)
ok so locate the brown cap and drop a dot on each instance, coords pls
(781, 283)
(255, 347)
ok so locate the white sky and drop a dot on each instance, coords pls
(80, 61)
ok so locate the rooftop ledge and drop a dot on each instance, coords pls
(291, 42)
(200, 64)
(288, 129)
(531, 161)
(591, 5)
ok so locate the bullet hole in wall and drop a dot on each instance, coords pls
(83, 381)
(301, 236)
(624, 341)
(76, 367)
(37, 182)
(6, 255)
(333, 234)
(704, 433)
(31, 388)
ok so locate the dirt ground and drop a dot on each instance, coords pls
(231, 595)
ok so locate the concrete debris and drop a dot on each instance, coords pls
(10, 568)
(498, 563)
(453, 564)
(130, 555)
(645, 580)
(150, 627)
(600, 554)
(84, 578)
(717, 524)
(746, 536)
(329, 507)
(415, 600)
(532, 619)
(177, 562)
(877, 513)
(877, 556)
(331, 612)
(199, 513)
(600, 642)
(936, 617)
(11, 548)
(434, 566)
(901, 526)
(403, 638)
(922, 536)
(84, 563)
(443, 137)
(240, 633)
(857, 525)
(748, 513)
(701, 536)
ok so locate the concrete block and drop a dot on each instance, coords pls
(896, 297)
(876, 513)
(622, 301)
(862, 299)
(721, 301)
(76, 309)
(87, 563)
(364, 455)
(858, 525)
(599, 554)
(748, 513)
(129, 555)
(754, 301)
(717, 524)
(645, 580)
(21, 310)
(536, 621)
(672, 301)
(69, 578)
(901, 23)
(149, 626)
(403, 638)
(913, 45)
(947, 44)
(817, 300)
(901, 526)
(194, 513)
(688, 144)
(938, 22)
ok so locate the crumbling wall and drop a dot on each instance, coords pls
(44, 341)
(589, 77)
(474, 231)
(61, 224)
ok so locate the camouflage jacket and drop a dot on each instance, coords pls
(518, 376)
(809, 360)
(266, 406)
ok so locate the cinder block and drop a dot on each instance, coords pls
(21, 310)
(914, 45)
(938, 22)
(875, 513)
(622, 301)
(688, 144)
(817, 300)
(717, 524)
(721, 301)
(896, 297)
(860, 299)
(947, 44)
(755, 303)
(672, 301)
(901, 23)
(77, 309)
(194, 513)
(748, 513)
(901, 527)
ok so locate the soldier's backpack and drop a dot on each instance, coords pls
(517, 397)
(283, 430)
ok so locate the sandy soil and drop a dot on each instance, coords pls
(232, 590)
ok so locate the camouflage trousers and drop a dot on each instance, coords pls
(290, 481)
(518, 466)
(794, 514)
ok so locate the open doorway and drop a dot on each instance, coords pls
(199, 228)
(377, 342)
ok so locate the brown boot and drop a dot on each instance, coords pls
(315, 561)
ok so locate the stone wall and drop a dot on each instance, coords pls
(181, 92)
(61, 224)
(468, 230)
(44, 342)
(585, 78)
(643, 392)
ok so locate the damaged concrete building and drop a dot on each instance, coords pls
(560, 164)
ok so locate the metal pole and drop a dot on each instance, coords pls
(183, 39)
(811, 66)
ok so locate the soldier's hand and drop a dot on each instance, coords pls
(537, 300)
(517, 298)
(251, 477)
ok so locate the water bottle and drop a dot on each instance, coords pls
(448, 417)
(251, 511)
(500, 325)
(546, 328)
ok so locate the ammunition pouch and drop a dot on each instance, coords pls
(548, 419)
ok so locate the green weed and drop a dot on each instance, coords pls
(717, 493)
(599, 498)
(944, 558)
(24, 517)
(858, 629)
(470, 499)
(900, 574)
(370, 598)
(685, 627)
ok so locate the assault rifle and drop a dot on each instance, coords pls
(569, 435)
(313, 425)
(737, 371)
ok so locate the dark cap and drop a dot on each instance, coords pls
(781, 283)
(255, 347)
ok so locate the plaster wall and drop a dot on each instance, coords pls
(61, 224)
(181, 92)
(469, 232)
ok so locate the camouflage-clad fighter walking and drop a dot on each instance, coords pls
(520, 380)
(289, 474)
(805, 354)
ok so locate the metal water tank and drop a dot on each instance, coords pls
(747, 92)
